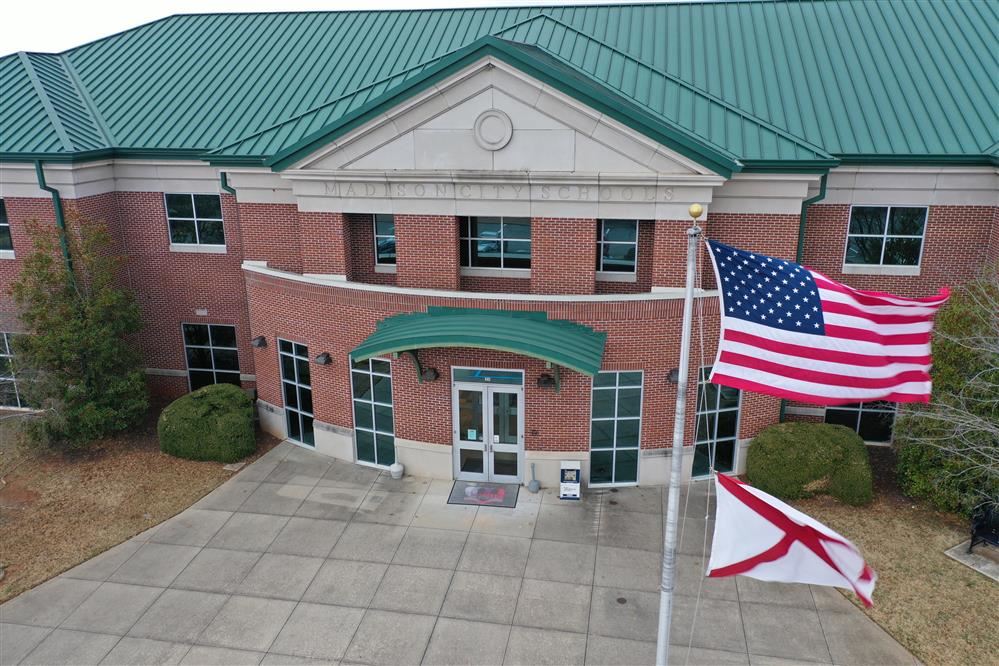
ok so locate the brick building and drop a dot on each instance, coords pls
(455, 238)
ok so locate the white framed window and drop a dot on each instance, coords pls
(717, 426)
(615, 427)
(296, 389)
(384, 226)
(495, 242)
(195, 219)
(212, 356)
(6, 240)
(885, 235)
(10, 395)
(873, 421)
(617, 246)
(374, 424)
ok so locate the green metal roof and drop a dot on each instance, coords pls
(758, 84)
(561, 342)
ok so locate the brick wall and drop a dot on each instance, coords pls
(992, 253)
(361, 251)
(172, 286)
(427, 251)
(563, 255)
(500, 285)
(643, 267)
(270, 232)
(19, 211)
(641, 335)
(324, 243)
(956, 245)
(169, 286)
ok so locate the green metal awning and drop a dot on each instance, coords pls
(563, 343)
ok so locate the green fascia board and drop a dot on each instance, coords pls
(918, 160)
(595, 95)
(563, 343)
(107, 153)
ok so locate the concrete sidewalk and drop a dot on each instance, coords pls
(298, 560)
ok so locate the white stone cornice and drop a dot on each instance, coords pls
(662, 294)
(516, 193)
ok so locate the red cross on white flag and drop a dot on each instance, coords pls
(759, 536)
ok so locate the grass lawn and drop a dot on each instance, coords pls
(57, 510)
(942, 611)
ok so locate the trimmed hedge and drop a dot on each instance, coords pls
(796, 460)
(212, 423)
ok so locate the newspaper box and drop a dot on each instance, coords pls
(569, 480)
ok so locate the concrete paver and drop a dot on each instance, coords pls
(112, 609)
(299, 559)
(178, 616)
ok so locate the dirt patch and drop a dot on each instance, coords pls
(59, 509)
(942, 611)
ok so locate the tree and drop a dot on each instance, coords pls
(76, 365)
(949, 449)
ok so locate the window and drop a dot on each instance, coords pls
(873, 421)
(496, 242)
(885, 235)
(296, 387)
(9, 394)
(374, 429)
(717, 426)
(384, 239)
(6, 242)
(617, 245)
(615, 426)
(211, 354)
(195, 219)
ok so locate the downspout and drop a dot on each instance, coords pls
(799, 255)
(60, 217)
(224, 183)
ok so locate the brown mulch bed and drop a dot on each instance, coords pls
(942, 611)
(58, 509)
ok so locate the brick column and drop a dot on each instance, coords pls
(669, 264)
(270, 232)
(324, 244)
(426, 249)
(563, 255)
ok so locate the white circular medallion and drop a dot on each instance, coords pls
(493, 129)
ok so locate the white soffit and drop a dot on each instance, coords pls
(919, 186)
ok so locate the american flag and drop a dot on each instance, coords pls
(792, 332)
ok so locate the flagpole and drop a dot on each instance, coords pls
(676, 472)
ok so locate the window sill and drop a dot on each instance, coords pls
(871, 269)
(6, 254)
(609, 276)
(386, 268)
(471, 271)
(197, 249)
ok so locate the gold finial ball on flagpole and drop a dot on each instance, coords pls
(695, 210)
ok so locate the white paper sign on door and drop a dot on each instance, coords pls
(472, 435)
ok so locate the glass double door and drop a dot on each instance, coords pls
(488, 433)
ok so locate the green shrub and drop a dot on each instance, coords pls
(796, 460)
(947, 449)
(212, 423)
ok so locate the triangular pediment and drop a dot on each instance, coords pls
(491, 117)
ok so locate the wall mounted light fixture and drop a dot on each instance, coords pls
(429, 375)
(674, 376)
(546, 381)
(324, 359)
(259, 342)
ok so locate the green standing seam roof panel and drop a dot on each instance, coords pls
(561, 342)
(768, 83)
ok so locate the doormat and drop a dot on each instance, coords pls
(480, 493)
